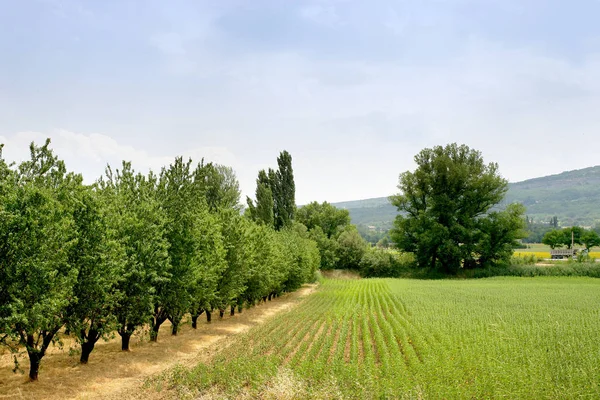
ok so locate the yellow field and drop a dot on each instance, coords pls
(542, 251)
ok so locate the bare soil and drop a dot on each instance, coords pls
(113, 374)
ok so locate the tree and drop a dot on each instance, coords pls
(444, 207)
(329, 218)
(590, 239)
(555, 238)
(351, 249)
(97, 257)
(185, 211)
(262, 212)
(572, 236)
(35, 239)
(219, 185)
(275, 190)
(285, 193)
(139, 224)
(328, 248)
(499, 234)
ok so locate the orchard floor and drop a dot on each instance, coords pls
(113, 374)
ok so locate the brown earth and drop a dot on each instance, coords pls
(113, 374)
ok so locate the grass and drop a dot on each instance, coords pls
(397, 338)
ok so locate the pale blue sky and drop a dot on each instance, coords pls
(352, 89)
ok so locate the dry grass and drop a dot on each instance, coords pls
(113, 374)
(340, 274)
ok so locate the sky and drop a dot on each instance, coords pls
(352, 89)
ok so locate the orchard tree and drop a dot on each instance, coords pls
(262, 211)
(36, 228)
(232, 279)
(444, 207)
(139, 222)
(219, 185)
(98, 259)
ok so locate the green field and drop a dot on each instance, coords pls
(391, 338)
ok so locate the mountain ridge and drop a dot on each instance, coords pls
(573, 196)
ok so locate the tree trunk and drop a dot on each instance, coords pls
(174, 329)
(232, 312)
(264, 299)
(208, 316)
(34, 364)
(221, 313)
(88, 346)
(125, 331)
(86, 349)
(270, 295)
(158, 319)
(154, 331)
(35, 355)
(125, 337)
(240, 308)
(195, 318)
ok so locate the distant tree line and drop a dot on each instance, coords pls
(567, 237)
(136, 250)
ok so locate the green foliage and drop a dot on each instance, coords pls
(328, 248)
(590, 239)
(139, 222)
(275, 195)
(325, 223)
(36, 237)
(554, 238)
(330, 219)
(284, 208)
(351, 248)
(378, 262)
(135, 248)
(98, 258)
(445, 205)
(219, 186)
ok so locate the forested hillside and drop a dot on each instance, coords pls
(572, 196)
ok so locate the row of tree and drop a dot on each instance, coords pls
(133, 250)
(568, 237)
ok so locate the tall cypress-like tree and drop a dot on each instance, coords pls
(285, 193)
(275, 195)
(262, 212)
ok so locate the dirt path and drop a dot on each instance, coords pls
(112, 374)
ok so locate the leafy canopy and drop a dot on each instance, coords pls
(445, 207)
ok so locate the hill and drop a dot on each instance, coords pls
(572, 196)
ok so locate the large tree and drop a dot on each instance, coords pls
(331, 219)
(275, 195)
(36, 279)
(285, 193)
(140, 227)
(445, 210)
(98, 258)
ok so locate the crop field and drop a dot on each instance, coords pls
(374, 338)
(543, 251)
